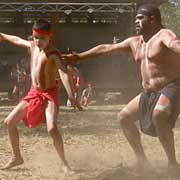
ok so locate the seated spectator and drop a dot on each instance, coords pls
(88, 94)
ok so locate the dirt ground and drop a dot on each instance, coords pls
(95, 148)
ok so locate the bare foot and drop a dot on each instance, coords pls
(67, 170)
(12, 163)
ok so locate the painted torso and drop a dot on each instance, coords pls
(159, 65)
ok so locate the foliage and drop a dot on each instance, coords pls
(170, 15)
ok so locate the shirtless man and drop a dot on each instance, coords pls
(157, 51)
(42, 101)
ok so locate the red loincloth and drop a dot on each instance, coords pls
(37, 100)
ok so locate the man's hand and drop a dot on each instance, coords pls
(70, 58)
(75, 104)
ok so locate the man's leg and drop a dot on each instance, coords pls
(51, 116)
(164, 131)
(10, 122)
(127, 118)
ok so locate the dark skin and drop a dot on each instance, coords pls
(152, 49)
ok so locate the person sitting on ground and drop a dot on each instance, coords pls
(88, 95)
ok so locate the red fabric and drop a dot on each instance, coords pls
(36, 32)
(37, 103)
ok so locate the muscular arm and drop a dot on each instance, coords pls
(175, 46)
(122, 47)
(15, 40)
(170, 40)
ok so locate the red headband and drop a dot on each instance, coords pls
(36, 32)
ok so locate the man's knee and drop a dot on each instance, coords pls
(123, 118)
(159, 118)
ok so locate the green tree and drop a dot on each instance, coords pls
(170, 12)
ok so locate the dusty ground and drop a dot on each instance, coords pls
(95, 148)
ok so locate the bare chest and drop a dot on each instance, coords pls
(152, 51)
(42, 65)
(38, 61)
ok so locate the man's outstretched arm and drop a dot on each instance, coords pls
(103, 49)
(170, 40)
(15, 40)
(175, 46)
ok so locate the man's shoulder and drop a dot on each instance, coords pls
(166, 31)
(134, 38)
(133, 41)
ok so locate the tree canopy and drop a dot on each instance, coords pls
(171, 15)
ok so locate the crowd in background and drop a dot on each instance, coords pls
(14, 78)
(20, 79)
(84, 92)
(17, 78)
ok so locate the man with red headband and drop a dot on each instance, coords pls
(42, 101)
(157, 51)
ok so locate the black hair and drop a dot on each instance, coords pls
(42, 24)
(150, 10)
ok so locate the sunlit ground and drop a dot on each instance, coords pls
(95, 148)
